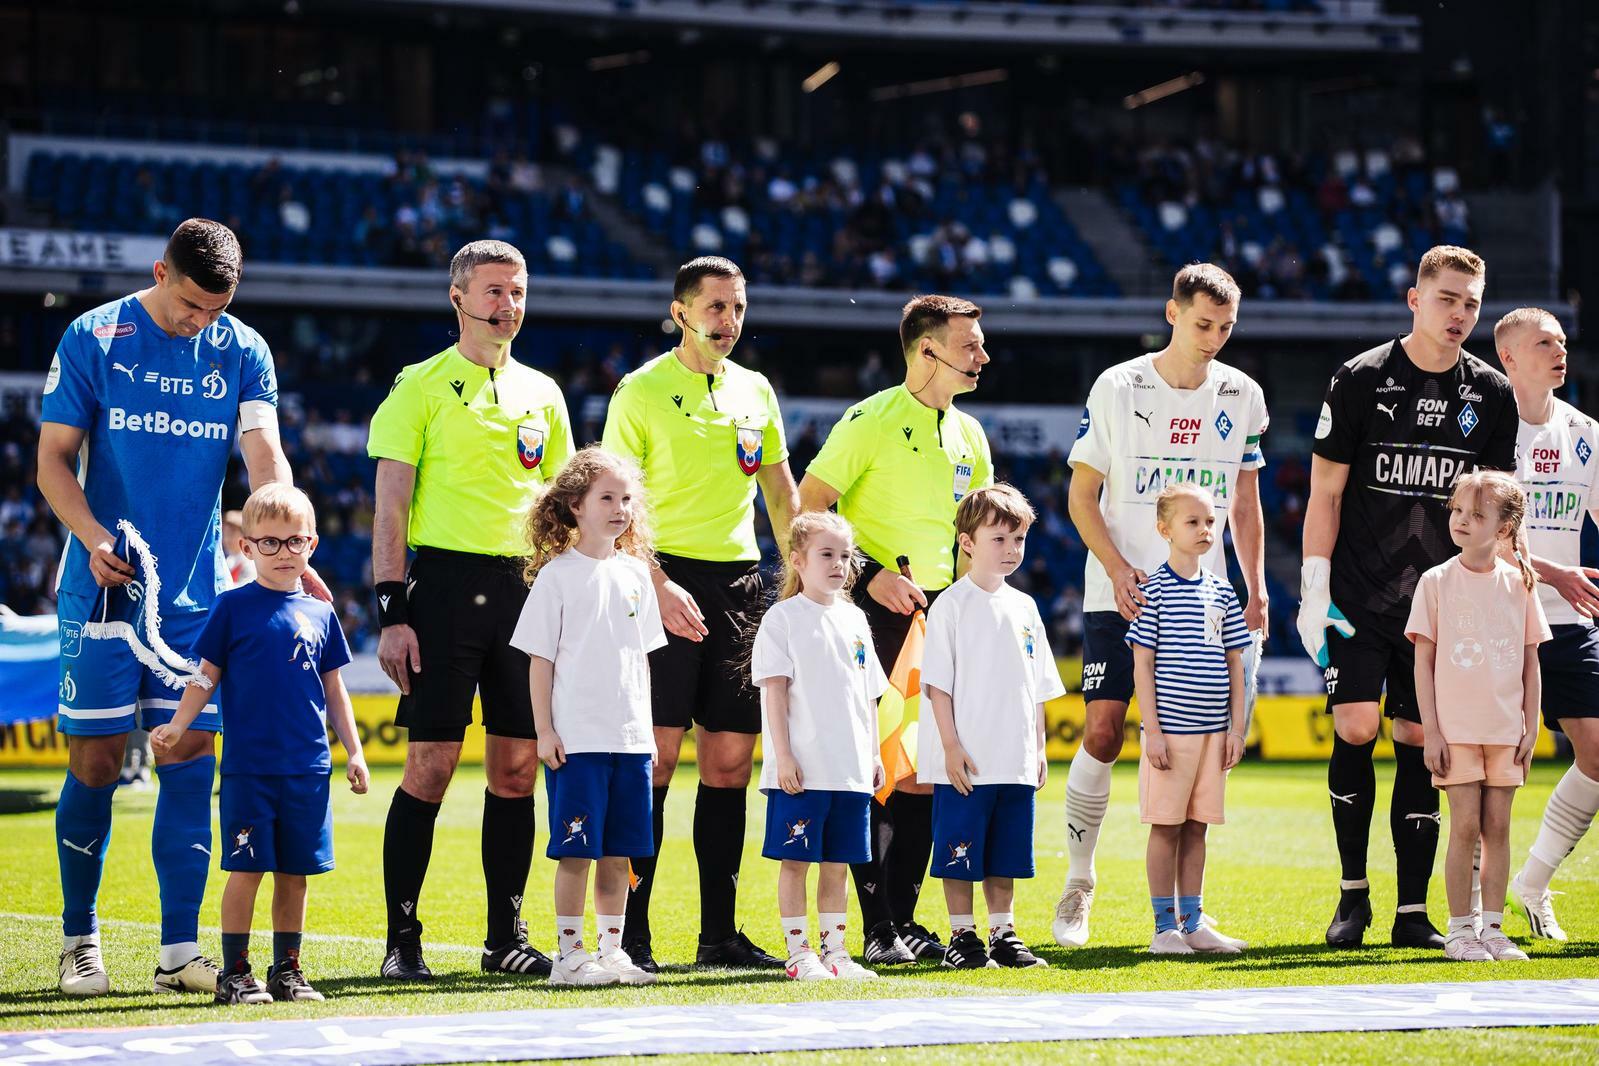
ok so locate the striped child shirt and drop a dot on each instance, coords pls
(1191, 625)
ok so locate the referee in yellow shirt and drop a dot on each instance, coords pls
(897, 465)
(706, 432)
(463, 443)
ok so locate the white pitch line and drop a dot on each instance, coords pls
(332, 938)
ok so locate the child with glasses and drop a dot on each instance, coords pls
(276, 653)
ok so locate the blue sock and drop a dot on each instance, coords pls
(1165, 912)
(235, 950)
(1188, 910)
(180, 844)
(83, 832)
(285, 949)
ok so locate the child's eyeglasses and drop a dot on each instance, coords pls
(270, 545)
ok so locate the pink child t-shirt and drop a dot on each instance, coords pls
(1481, 624)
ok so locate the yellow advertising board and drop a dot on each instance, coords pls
(1284, 728)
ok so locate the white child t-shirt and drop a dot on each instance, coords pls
(834, 683)
(989, 651)
(597, 620)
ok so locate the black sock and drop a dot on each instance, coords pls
(508, 829)
(1413, 819)
(638, 898)
(407, 847)
(1353, 783)
(235, 952)
(871, 882)
(285, 949)
(906, 864)
(719, 849)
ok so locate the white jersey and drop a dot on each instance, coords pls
(597, 620)
(834, 681)
(1556, 464)
(1141, 434)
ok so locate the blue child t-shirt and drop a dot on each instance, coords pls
(273, 648)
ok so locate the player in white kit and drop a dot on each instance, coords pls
(1557, 465)
(1172, 415)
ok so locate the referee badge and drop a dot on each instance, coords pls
(749, 445)
(529, 446)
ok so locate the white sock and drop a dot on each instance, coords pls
(568, 933)
(962, 923)
(174, 956)
(1571, 810)
(1493, 922)
(1349, 886)
(831, 925)
(68, 943)
(610, 932)
(1001, 922)
(1087, 795)
(1465, 925)
(1411, 908)
(795, 935)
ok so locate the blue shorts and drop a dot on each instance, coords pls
(1107, 660)
(600, 806)
(103, 689)
(1569, 663)
(279, 823)
(986, 834)
(818, 826)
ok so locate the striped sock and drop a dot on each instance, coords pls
(1571, 810)
(1087, 796)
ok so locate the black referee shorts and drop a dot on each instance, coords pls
(464, 608)
(889, 628)
(708, 682)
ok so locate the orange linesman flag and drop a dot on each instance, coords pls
(899, 709)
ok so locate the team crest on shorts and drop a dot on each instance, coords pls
(960, 855)
(529, 446)
(749, 446)
(796, 833)
(576, 829)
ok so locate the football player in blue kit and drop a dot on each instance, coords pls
(143, 404)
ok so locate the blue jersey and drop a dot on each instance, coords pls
(273, 648)
(160, 415)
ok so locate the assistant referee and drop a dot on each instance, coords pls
(706, 432)
(897, 465)
(463, 442)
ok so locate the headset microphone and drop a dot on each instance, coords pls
(493, 320)
(952, 366)
(701, 332)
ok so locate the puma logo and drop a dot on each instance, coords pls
(1139, 414)
(89, 850)
(1388, 409)
(126, 370)
(1349, 799)
(201, 848)
(1436, 818)
(1076, 833)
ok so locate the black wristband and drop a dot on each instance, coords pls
(869, 569)
(392, 607)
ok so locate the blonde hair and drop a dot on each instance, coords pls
(800, 532)
(997, 503)
(1166, 499)
(1500, 490)
(276, 500)
(551, 525)
(1518, 319)
(1442, 257)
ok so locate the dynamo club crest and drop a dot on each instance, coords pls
(749, 444)
(529, 446)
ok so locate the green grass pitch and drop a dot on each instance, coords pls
(1272, 879)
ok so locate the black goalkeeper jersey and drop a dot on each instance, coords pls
(1405, 435)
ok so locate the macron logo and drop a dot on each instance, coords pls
(160, 422)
